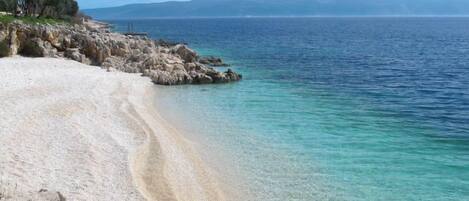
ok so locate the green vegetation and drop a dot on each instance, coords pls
(7, 5)
(4, 50)
(6, 19)
(31, 49)
(32, 20)
(56, 9)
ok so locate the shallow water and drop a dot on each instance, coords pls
(330, 108)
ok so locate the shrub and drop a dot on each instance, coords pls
(4, 49)
(31, 48)
(4, 19)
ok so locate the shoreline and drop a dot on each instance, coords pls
(182, 163)
(92, 43)
(125, 147)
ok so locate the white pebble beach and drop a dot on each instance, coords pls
(91, 135)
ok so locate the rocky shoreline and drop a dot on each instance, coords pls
(94, 44)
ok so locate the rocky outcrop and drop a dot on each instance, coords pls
(165, 63)
(212, 61)
(185, 53)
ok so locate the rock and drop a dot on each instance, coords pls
(48, 50)
(148, 50)
(165, 63)
(185, 53)
(113, 62)
(219, 77)
(212, 61)
(51, 36)
(119, 48)
(202, 79)
(74, 54)
(14, 43)
(46, 195)
(66, 42)
(164, 43)
(232, 76)
(3, 32)
(190, 67)
(146, 73)
(167, 78)
(152, 63)
(36, 47)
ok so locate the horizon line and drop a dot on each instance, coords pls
(299, 16)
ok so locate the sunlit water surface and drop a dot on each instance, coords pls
(330, 108)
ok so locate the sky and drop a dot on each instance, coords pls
(84, 4)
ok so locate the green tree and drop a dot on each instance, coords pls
(7, 5)
(58, 8)
(42, 8)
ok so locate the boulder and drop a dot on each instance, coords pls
(212, 61)
(190, 67)
(170, 78)
(202, 79)
(46, 195)
(36, 47)
(233, 76)
(66, 42)
(51, 36)
(185, 53)
(74, 54)
(219, 77)
(14, 43)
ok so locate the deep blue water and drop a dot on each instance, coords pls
(330, 108)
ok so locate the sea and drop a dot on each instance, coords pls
(330, 108)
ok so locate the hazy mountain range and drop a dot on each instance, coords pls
(89, 4)
(224, 8)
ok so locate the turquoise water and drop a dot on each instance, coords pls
(330, 108)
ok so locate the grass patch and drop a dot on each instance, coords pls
(34, 20)
(5, 19)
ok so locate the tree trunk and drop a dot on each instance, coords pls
(43, 10)
(15, 9)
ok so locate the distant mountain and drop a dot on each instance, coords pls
(225, 8)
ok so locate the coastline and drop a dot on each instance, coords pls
(92, 135)
(183, 169)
